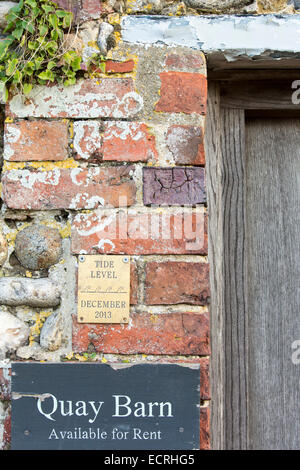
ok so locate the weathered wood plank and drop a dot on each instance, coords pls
(273, 221)
(215, 243)
(257, 95)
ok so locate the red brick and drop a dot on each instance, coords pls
(172, 333)
(105, 97)
(187, 62)
(204, 428)
(5, 384)
(173, 282)
(182, 92)
(134, 232)
(87, 140)
(75, 188)
(35, 141)
(113, 141)
(6, 437)
(112, 66)
(128, 141)
(186, 143)
(83, 10)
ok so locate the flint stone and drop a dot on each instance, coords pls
(38, 247)
(13, 333)
(51, 333)
(16, 291)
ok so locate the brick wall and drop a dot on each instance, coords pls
(114, 164)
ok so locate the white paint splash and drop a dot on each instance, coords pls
(12, 135)
(87, 138)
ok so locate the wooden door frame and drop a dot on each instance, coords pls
(229, 99)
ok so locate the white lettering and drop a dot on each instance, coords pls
(54, 406)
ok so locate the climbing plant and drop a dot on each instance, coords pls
(35, 50)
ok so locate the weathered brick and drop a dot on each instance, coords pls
(82, 10)
(112, 66)
(176, 282)
(172, 333)
(74, 188)
(186, 143)
(174, 186)
(128, 141)
(192, 61)
(137, 232)
(35, 141)
(113, 141)
(205, 428)
(87, 140)
(106, 97)
(182, 92)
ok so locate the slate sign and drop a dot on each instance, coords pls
(99, 406)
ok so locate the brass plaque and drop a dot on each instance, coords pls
(103, 288)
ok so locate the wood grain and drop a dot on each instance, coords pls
(273, 259)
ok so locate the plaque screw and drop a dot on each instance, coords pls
(26, 432)
(81, 258)
(125, 259)
(181, 429)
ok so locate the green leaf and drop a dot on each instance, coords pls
(5, 94)
(61, 13)
(75, 64)
(47, 75)
(70, 81)
(3, 47)
(28, 26)
(53, 20)
(32, 45)
(54, 34)
(17, 33)
(11, 66)
(38, 62)
(17, 78)
(43, 30)
(67, 21)
(27, 87)
(31, 3)
(51, 64)
(47, 8)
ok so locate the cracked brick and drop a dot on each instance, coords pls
(174, 186)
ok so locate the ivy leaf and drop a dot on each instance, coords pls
(4, 93)
(61, 13)
(17, 33)
(75, 64)
(47, 8)
(31, 3)
(70, 81)
(67, 20)
(53, 20)
(17, 76)
(28, 26)
(47, 75)
(27, 87)
(43, 30)
(4, 46)
(51, 64)
(11, 66)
